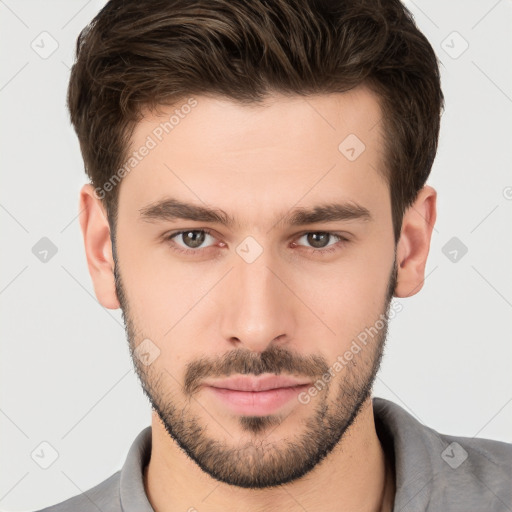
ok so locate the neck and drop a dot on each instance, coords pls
(355, 476)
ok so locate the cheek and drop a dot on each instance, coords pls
(158, 287)
(348, 295)
(166, 300)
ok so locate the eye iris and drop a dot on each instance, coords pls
(197, 238)
(313, 239)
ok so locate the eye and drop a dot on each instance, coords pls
(319, 241)
(191, 239)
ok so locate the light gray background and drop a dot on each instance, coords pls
(65, 370)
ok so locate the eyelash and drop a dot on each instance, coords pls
(329, 250)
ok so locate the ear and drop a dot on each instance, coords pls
(98, 247)
(414, 243)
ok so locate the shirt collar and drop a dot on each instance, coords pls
(411, 446)
(131, 484)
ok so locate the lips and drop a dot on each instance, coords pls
(262, 383)
(256, 396)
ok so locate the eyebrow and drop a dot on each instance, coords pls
(170, 209)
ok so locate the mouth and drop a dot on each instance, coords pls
(256, 396)
(262, 383)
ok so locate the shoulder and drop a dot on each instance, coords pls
(474, 471)
(125, 487)
(436, 471)
(104, 497)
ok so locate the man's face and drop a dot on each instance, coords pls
(261, 295)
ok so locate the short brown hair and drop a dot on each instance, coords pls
(137, 55)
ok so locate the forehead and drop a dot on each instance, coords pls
(246, 159)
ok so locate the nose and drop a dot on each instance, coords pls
(258, 306)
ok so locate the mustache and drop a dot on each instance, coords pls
(275, 360)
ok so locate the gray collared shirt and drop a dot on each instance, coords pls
(434, 472)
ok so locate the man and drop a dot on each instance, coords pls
(257, 198)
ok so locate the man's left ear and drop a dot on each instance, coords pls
(414, 243)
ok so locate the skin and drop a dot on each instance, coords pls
(257, 164)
